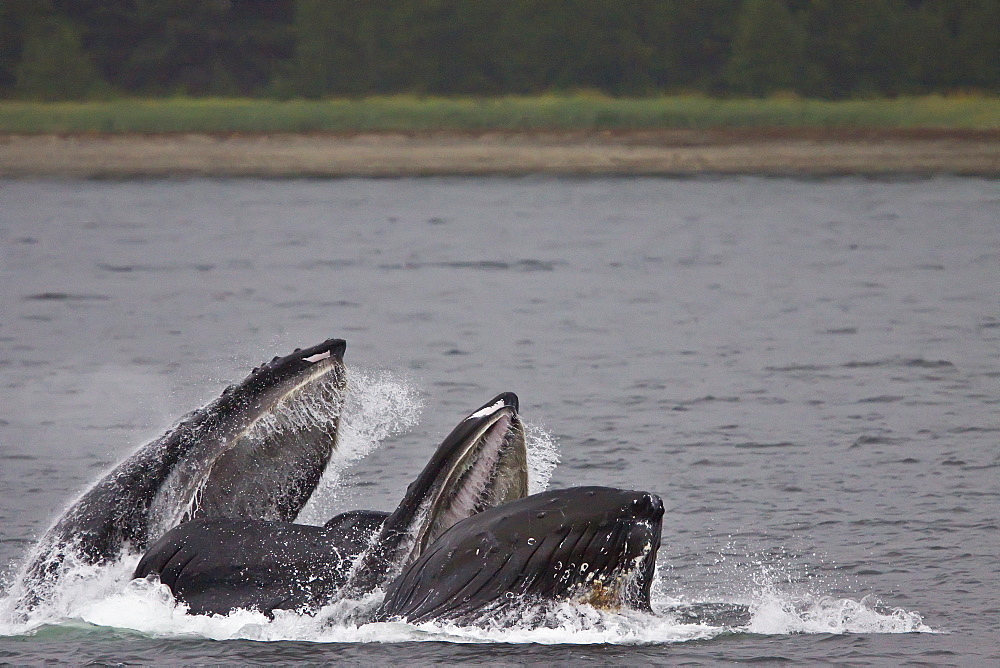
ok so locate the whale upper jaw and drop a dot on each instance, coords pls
(481, 464)
(593, 545)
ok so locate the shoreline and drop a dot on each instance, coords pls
(758, 151)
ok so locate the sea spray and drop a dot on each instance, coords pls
(774, 592)
(379, 404)
(543, 456)
(80, 586)
(779, 613)
(104, 596)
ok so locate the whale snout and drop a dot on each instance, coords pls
(648, 506)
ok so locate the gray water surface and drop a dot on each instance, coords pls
(806, 371)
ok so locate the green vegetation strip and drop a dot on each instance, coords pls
(405, 113)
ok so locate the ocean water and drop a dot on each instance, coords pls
(806, 371)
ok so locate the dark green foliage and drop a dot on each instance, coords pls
(767, 49)
(319, 48)
(53, 65)
(856, 48)
(196, 47)
(14, 17)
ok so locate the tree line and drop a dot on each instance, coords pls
(77, 49)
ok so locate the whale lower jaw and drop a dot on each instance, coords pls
(486, 475)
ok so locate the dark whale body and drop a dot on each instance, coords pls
(593, 545)
(256, 452)
(217, 565)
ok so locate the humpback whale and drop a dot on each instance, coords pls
(593, 545)
(216, 565)
(257, 452)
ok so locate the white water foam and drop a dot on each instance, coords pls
(775, 613)
(79, 586)
(566, 623)
(774, 592)
(105, 597)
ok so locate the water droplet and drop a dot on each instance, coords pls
(532, 541)
(584, 566)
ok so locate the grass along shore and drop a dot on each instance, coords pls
(568, 135)
(542, 113)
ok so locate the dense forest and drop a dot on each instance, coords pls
(833, 49)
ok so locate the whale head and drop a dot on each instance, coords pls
(481, 464)
(594, 545)
(260, 449)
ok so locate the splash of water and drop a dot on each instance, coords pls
(105, 597)
(543, 456)
(80, 585)
(378, 404)
(774, 592)
(777, 613)
(565, 623)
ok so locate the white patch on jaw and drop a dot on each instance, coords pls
(318, 357)
(486, 410)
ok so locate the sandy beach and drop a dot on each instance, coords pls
(652, 152)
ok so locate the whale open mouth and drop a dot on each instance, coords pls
(262, 447)
(488, 473)
(480, 465)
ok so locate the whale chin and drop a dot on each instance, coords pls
(593, 545)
